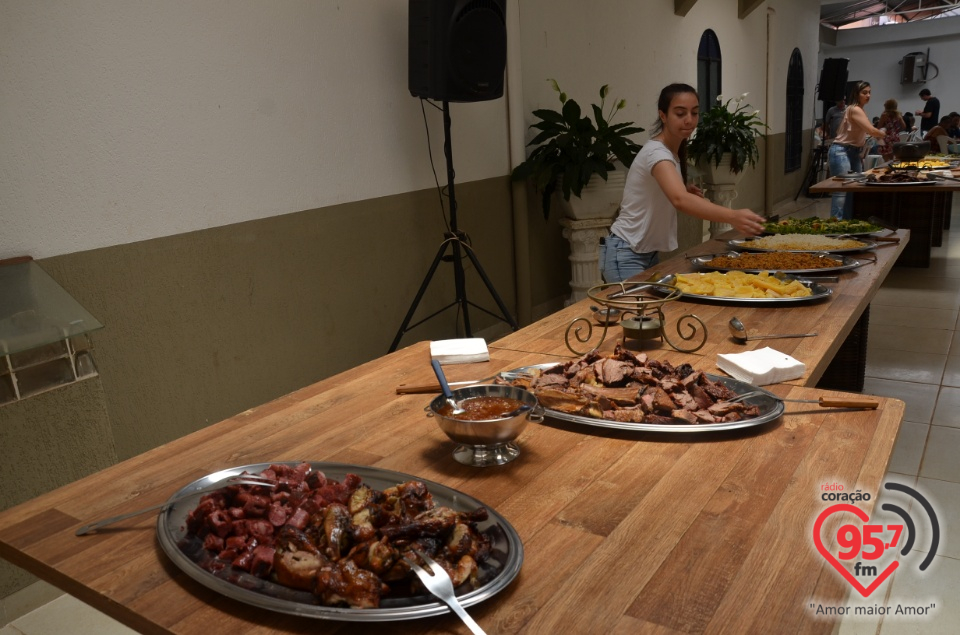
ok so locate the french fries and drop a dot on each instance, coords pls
(737, 284)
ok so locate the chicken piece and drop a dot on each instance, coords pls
(361, 497)
(364, 523)
(374, 555)
(346, 583)
(336, 529)
(298, 569)
(461, 541)
(464, 570)
(434, 522)
(289, 538)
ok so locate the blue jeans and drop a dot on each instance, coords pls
(843, 159)
(618, 262)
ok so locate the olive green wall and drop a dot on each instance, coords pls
(201, 326)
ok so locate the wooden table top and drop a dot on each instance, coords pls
(833, 319)
(623, 532)
(835, 184)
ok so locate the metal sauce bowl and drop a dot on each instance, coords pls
(492, 441)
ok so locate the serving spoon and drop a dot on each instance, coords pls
(445, 387)
(739, 332)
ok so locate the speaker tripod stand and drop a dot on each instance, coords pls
(818, 159)
(454, 239)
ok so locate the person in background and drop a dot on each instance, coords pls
(910, 122)
(954, 129)
(939, 130)
(819, 133)
(892, 124)
(930, 114)
(844, 155)
(914, 133)
(834, 116)
(656, 190)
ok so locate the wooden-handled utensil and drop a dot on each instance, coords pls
(823, 402)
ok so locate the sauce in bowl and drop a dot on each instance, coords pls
(482, 408)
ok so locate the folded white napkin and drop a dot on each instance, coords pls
(460, 351)
(761, 367)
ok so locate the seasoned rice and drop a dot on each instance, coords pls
(805, 242)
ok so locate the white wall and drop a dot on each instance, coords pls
(875, 55)
(123, 121)
(640, 47)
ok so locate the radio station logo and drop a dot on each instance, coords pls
(858, 547)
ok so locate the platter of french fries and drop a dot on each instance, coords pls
(741, 287)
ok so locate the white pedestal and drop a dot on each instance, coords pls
(722, 194)
(584, 237)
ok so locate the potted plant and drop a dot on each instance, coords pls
(727, 134)
(571, 149)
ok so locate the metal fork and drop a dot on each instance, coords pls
(438, 582)
(240, 479)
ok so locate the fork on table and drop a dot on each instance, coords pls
(438, 582)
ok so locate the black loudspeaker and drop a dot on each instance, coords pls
(457, 49)
(833, 79)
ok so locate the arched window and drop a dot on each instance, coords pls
(793, 146)
(708, 69)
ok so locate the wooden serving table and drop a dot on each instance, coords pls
(924, 210)
(623, 532)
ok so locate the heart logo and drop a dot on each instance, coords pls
(829, 557)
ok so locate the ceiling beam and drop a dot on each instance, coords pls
(681, 7)
(747, 6)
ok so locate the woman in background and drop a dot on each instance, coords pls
(844, 155)
(892, 123)
(656, 189)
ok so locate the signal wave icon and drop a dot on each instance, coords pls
(908, 521)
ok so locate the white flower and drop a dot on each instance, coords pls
(742, 97)
(755, 112)
(719, 98)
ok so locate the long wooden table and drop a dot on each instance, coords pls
(623, 532)
(924, 210)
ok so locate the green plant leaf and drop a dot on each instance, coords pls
(571, 148)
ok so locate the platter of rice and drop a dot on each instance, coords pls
(801, 243)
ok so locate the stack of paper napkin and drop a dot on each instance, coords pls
(459, 351)
(761, 367)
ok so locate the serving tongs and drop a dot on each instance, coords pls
(938, 177)
(418, 389)
(239, 479)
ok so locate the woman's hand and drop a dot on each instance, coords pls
(746, 222)
(693, 189)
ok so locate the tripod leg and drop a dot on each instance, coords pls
(493, 292)
(460, 284)
(419, 296)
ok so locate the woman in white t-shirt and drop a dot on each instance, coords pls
(656, 189)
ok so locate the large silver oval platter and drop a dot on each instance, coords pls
(770, 409)
(835, 262)
(495, 574)
(817, 292)
(747, 243)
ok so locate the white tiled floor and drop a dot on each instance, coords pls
(913, 355)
